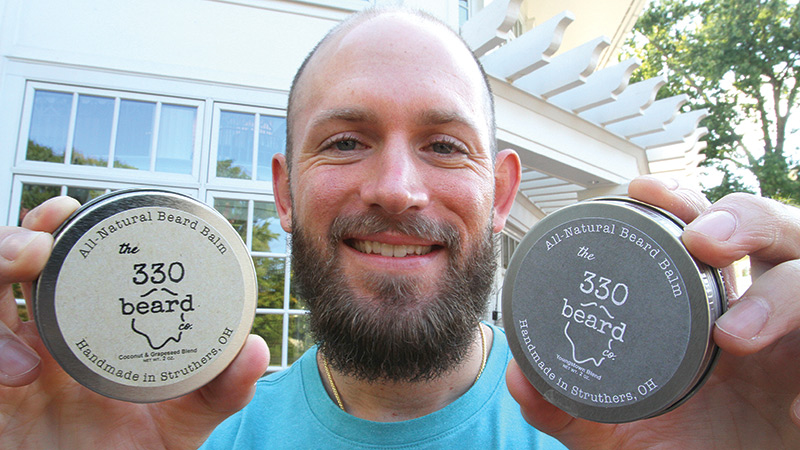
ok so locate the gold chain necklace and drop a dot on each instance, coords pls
(339, 398)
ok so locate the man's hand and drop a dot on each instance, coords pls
(42, 407)
(751, 400)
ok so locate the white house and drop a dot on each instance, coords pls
(190, 95)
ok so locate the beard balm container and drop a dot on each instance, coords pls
(147, 295)
(607, 314)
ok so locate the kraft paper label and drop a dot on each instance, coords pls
(149, 296)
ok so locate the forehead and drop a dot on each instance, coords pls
(399, 58)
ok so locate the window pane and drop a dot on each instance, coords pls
(295, 302)
(236, 213)
(134, 135)
(83, 195)
(176, 139)
(47, 138)
(270, 273)
(35, 194)
(299, 337)
(270, 327)
(271, 140)
(268, 236)
(92, 130)
(235, 145)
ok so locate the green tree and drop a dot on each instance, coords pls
(739, 59)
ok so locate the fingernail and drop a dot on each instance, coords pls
(796, 410)
(13, 244)
(16, 359)
(745, 319)
(718, 225)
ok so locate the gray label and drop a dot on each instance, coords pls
(601, 312)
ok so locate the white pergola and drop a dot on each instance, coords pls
(581, 131)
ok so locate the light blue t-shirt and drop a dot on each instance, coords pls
(291, 409)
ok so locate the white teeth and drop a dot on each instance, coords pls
(396, 251)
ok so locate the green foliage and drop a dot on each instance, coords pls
(226, 169)
(740, 59)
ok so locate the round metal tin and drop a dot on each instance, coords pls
(607, 314)
(147, 295)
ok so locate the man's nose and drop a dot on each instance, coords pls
(395, 182)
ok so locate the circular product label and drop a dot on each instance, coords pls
(601, 314)
(151, 297)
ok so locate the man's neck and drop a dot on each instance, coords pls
(396, 401)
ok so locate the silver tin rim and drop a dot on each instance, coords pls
(69, 234)
(707, 302)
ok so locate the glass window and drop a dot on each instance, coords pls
(93, 130)
(463, 11)
(299, 338)
(236, 213)
(246, 141)
(235, 147)
(33, 195)
(268, 236)
(49, 126)
(101, 129)
(271, 140)
(84, 195)
(134, 135)
(176, 139)
(280, 316)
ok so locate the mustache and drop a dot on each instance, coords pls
(410, 224)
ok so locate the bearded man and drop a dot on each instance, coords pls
(392, 189)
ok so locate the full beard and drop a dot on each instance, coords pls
(397, 333)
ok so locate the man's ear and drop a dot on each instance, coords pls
(507, 174)
(281, 190)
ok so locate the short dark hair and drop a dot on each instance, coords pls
(352, 22)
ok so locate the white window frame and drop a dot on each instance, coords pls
(237, 183)
(90, 172)
(285, 312)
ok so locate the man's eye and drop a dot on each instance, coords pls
(443, 148)
(345, 144)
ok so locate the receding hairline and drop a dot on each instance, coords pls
(364, 16)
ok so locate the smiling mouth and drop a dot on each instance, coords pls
(395, 251)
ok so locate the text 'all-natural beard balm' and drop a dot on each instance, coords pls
(147, 295)
(607, 314)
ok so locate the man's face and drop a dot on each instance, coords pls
(392, 179)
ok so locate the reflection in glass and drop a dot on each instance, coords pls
(236, 213)
(47, 137)
(92, 130)
(270, 275)
(299, 338)
(235, 145)
(270, 327)
(33, 195)
(83, 195)
(268, 236)
(271, 140)
(295, 302)
(176, 130)
(134, 134)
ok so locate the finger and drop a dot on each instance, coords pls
(743, 224)
(767, 311)
(23, 254)
(50, 214)
(203, 410)
(19, 364)
(685, 203)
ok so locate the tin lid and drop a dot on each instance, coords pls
(147, 295)
(607, 313)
